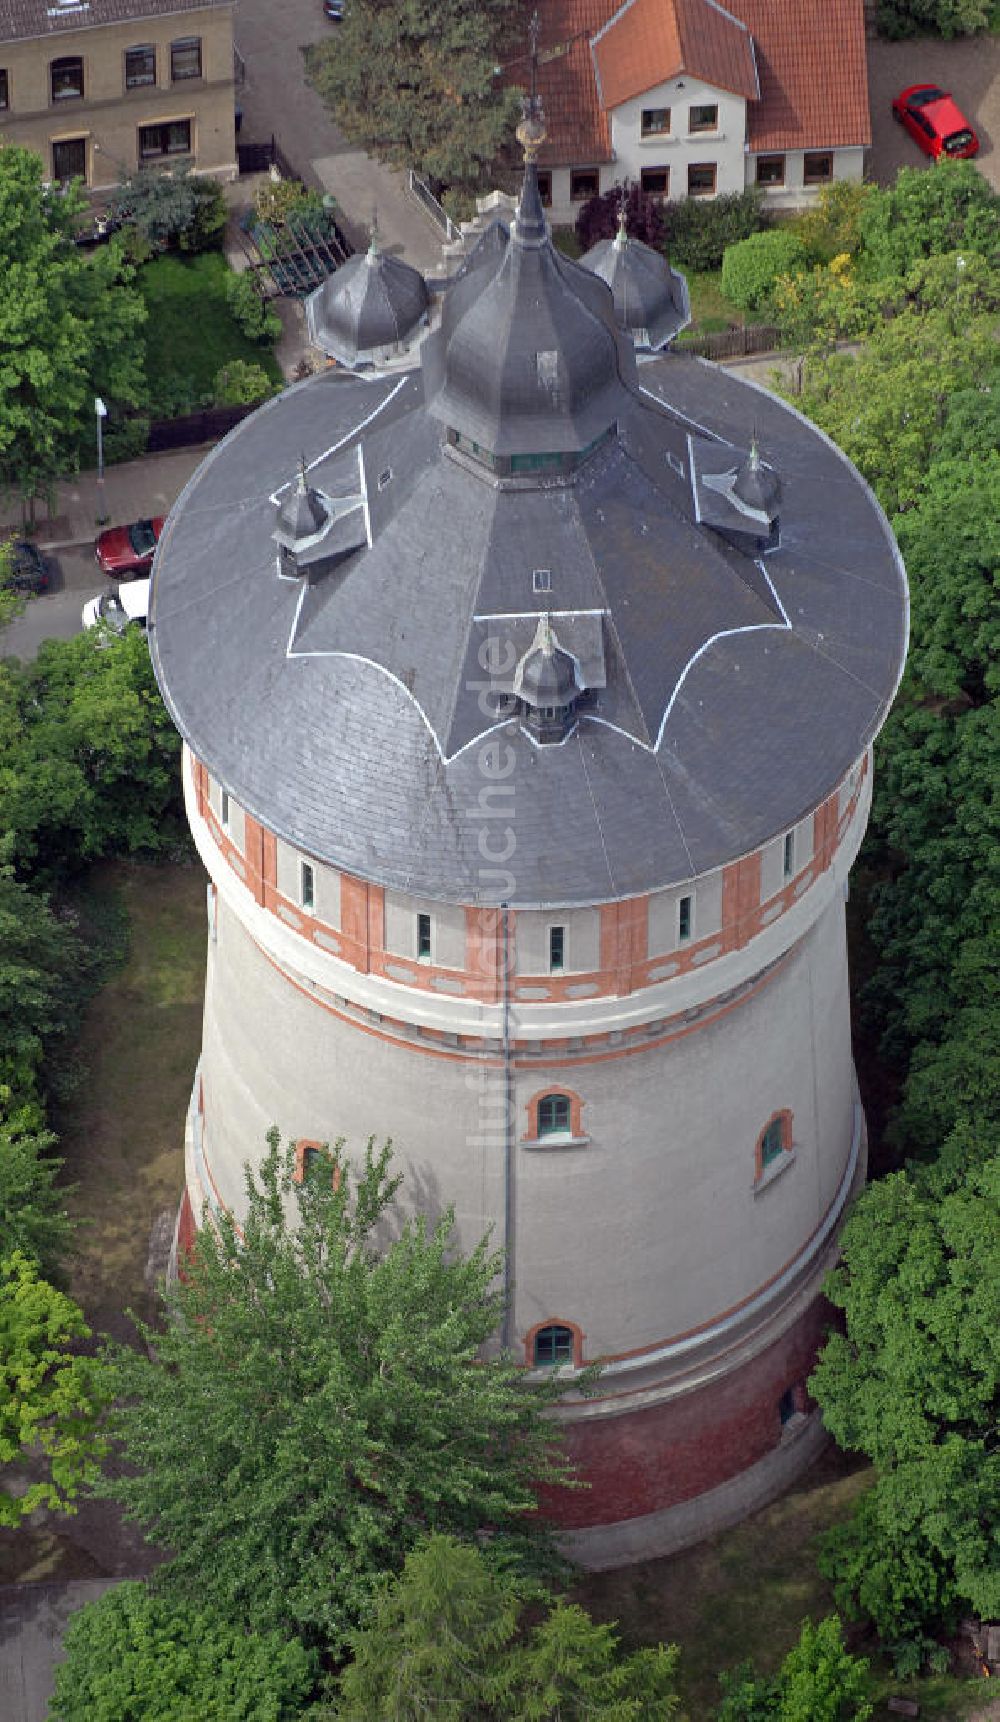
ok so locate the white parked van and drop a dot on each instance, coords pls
(128, 603)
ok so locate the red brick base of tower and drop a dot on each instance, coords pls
(647, 1461)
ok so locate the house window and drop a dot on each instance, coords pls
(788, 856)
(4, 89)
(307, 885)
(424, 938)
(140, 67)
(224, 809)
(583, 183)
(557, 949)
(66, 79)
(541, 580)
(774, 1141)
(685, 919)
(701, 179)
(703, 117)
(817, 167)
(69, 159)
(159, 142)
(185, 59)
(770, 170)
(553, 1345)
(787, 1406)
(553, 1114)
(314, 1162)
(655, 122)
(545, 189)
(655, 181)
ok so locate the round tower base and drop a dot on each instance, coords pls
(669, 1475)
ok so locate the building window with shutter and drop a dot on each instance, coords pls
(770, 170)
(583, 183)
(185, 59)
(66, 79)
(655, 122)
(703, 117)
(140, 67)
(701, 179)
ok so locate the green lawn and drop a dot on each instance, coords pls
(122, 1131)
(190, 333)
(744, 1594)
(711, 311)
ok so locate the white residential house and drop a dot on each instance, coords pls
(695, 99)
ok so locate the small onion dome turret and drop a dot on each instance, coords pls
(652, 303)
(547, 683)
(528, 365)
(369, 310)
(301, 522)
(757, 486)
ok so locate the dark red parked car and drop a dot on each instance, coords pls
(932, 118)
(125, 550)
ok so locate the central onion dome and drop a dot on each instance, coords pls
(652, 303)
(528, 365)
(369, 309)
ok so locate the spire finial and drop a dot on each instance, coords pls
(621, 237)
(303, 474)
(531, 132)
(373, 238)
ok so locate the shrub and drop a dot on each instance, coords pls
(254, 316)
(240, 384)
(832, 228)
(598, 219)
(751, 267)
(278, 200)
(207, 227)
(697, 230)
(896, 18)
(125, 439)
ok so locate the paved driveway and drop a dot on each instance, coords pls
(969, 68)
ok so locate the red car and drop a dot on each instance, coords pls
(125, 550)
(930, 116)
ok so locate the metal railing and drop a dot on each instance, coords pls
(419, 189)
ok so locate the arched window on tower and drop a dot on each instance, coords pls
(553, 1345)
(553, 1114)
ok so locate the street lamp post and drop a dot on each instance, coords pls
(102, 412)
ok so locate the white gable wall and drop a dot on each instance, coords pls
(680, 147)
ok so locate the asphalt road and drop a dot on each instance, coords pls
(276, 97)
(56, 614)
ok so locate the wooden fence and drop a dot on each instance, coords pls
(734, 343)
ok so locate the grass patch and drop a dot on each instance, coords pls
(190, 333)
(711, 311)
(122, 1129)
(744, 1595)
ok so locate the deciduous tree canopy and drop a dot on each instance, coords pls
(318, 1401)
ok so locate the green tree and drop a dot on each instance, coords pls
(134, 1654)
(240, 384)
(818, 1681)
(315, 1403)
(751, 267)
(886, 405)
(443, 1640)
(37, 957)
(69, 326)
(932, 17)
(50, 1399)
(161, 206)
(253, 314)
(88, 755)
(914, 1382)
(33, 1219)
(414, 82)
(953, 209)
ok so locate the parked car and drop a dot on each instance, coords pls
(125, 550)
(116, 609)
(334, 10)
(28, 568)
(933, 119)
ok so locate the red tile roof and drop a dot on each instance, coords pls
(809, 57)
(813, 73)
(653, 40)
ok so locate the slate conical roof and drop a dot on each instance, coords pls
(370, 303)
(302, 515)
(528, 358)
(652, 303)
(757, 486)
(546, 675)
